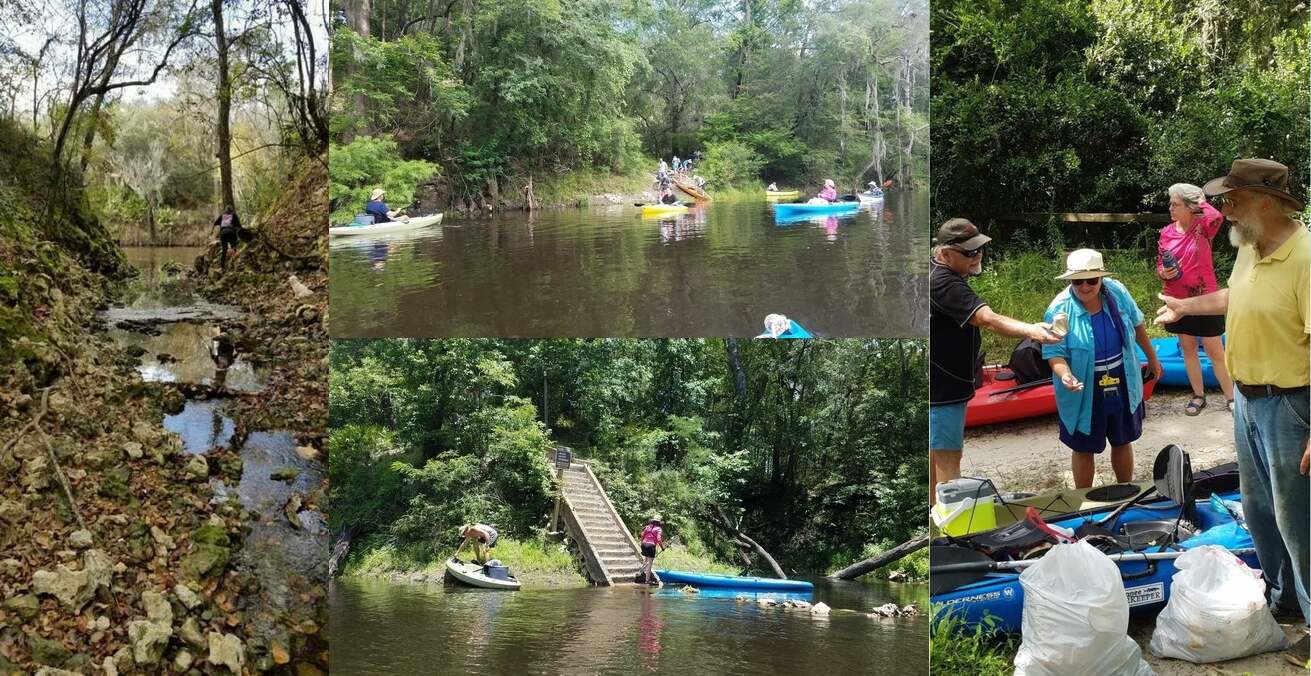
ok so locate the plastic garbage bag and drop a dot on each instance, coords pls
(1076, 617)
(1217, 610)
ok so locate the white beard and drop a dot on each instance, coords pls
(1241, 234)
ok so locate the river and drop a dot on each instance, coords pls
(714, 271)
(381, 626)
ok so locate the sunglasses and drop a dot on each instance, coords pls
(1081, 282)
(968, 253)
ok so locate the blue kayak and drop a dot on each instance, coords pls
(788, 210)
(1172, 363)
(1146, 584)
(795, 330)
(731, 581)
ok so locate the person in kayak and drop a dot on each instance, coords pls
(1183, 262)
(667, 196)
(377, 208)
(772, 187)
(482, 536)
(229, 229)
(652, 536)
(1267, 309)
(1099, 387)
(956, 316)
(873, 189)
(830, 191)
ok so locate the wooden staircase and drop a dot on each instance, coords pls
(610, 553)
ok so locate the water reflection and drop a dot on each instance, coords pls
(713, 271)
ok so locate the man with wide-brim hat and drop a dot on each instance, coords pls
(1268, 329)
(377, 208)
(956, 316)
(1098, 386)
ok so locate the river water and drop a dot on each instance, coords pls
(714, 271)
(385, 627)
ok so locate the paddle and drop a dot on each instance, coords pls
(967, 565)
(1172, 477)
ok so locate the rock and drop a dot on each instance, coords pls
(172, 401)
(123, 659)
(287, 474)
(197, 468)
(157, 607)
(134, 450)
(801, 604)
(307, 314)
(25, 606)
(820, 608)
(47, 651)
(292, 510)
(36, 473)
(75, 587)
(12, 511)
(162, 539)
(298, 289)
(190, 634)
(279, 653)
(102, 623)
(691, 590)
(910, 609)
(143, 432)
(183, 661)
(187, 597)
(205, 560)
(887, 610)
(109, 667)
(51, 671)
(307, 452)
(80, 539)
(149, 639)
(897, 576)
(226, 650)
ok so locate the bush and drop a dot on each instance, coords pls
(367, 163)
(731, 163)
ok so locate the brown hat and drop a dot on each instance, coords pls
(962, 234)
(1265, 176)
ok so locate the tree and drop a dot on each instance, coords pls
(138, 165)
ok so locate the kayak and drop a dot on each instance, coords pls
(390, 226)
(472, 574)
(784, 210)
(992, 403)
(1172, 363)
(1146, 584)
(782, 194)
(660, 209)
(731, 581)
(795, 330)
(867, 198)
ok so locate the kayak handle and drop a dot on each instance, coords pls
(1148, 572)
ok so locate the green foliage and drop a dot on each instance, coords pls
(366, 163)
(958, 649)
(731, 164)
(915, 566)
(535, 562)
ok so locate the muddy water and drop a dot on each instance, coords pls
(383, 627)
(713, 271)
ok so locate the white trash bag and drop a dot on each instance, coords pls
(1076, 617)
(1217, 610)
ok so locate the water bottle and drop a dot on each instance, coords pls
(1169, 262)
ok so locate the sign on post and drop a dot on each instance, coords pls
(564, 456)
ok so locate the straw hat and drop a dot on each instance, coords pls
(1265, 176)
(1084, 264)
(654, 518)
(377, 192)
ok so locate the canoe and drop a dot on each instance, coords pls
(782, 194)
(786, 210)
(731, 581)
(472, 574)
(1146, 584)
(661, 209)
(1172, 363)
(992, 403)
(379, 228)
(866, 198)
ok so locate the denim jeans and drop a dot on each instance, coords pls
(1271, 435)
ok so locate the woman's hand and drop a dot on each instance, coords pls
(1167, 274)
(1070, 382)
(1155, 365)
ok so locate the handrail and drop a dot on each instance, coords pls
(618, 521)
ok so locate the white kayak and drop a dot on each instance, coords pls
(390, 226)
(472, 574)
(867, 198)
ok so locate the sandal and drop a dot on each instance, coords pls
(1195, 405)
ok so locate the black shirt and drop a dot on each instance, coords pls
(955, 345)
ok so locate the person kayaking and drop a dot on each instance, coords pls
(652, 536)
(874, 190)
(667, 196)
(830, 191)
(1099, 387)
(773, 187)
(482, 536)
(377, 208)
(229, 228)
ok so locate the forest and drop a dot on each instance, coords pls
(493, 102)
(1069, 105)
(813, 448)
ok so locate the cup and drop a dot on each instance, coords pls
(1060, 324)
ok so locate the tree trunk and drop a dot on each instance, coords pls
(89, 138)
(150, 221)
(859, 568)
(718, 518)
(222, 130)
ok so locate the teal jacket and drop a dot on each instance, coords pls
(1075, 408)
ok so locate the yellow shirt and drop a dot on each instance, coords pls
(1269, 321)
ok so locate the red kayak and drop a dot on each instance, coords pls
(999, 400)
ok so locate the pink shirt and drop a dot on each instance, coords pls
(1192, 250)
(652, 535)
(829, 194)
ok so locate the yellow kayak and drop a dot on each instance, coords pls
(782, 193)
(657, 209)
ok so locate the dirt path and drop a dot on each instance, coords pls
(1028, 456)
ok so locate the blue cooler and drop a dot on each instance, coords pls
(496, 571)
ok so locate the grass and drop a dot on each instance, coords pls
(1021, 284)
(955, 648)
(576, 187)
(683, 557)
(535, 563)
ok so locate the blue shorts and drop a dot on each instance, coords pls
(947, 427)
(1111, 421)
